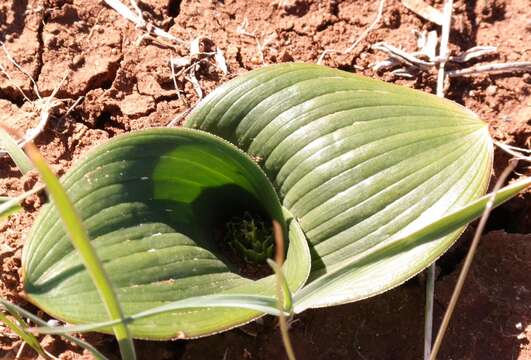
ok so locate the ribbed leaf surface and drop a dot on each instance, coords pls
(153, 203)
(358, 162)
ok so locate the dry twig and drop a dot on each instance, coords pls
(139, 21)
(174, 77)
(12, 82)
(179, 118)
(443, 50)
(13, 61)
(261, 44)
(468, 260)
(42, 106)
(20, 350)
(360, 38)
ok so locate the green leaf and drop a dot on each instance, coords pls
(359, 272)
(358, 162)
(17, 154)
(153, 204)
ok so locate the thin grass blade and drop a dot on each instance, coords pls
(265, 304)
(287, 297)
(10, 206)
(15, 309)
(24, 335)
(17, 154)
(81, 242)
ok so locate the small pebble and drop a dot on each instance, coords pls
(491, 90)
(54, 30)
(78, 60)
(53, 322)
(50, 42)
(289, 25)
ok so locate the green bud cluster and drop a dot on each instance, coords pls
(251, 238)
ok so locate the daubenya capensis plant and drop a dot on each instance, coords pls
(371, 182)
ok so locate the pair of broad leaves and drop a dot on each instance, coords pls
(371, 181)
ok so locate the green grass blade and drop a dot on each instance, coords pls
(9, 205)
(287, 304)
(264, 304)
(24, 335)
(15, 309)
(17, 154)
(79, 237)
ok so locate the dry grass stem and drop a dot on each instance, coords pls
(443, 50)
(430, 282)
(261, 44)
(403, 57)
(179, 118)
(473, 53)
(193, 80)
(12, 82)
(174, 77)
(221, 62)
(21, 69)
(413, 60)
(522, 66)
(516, 152)
(135, 6)
(43, 106)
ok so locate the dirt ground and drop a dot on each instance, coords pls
(127, 84)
